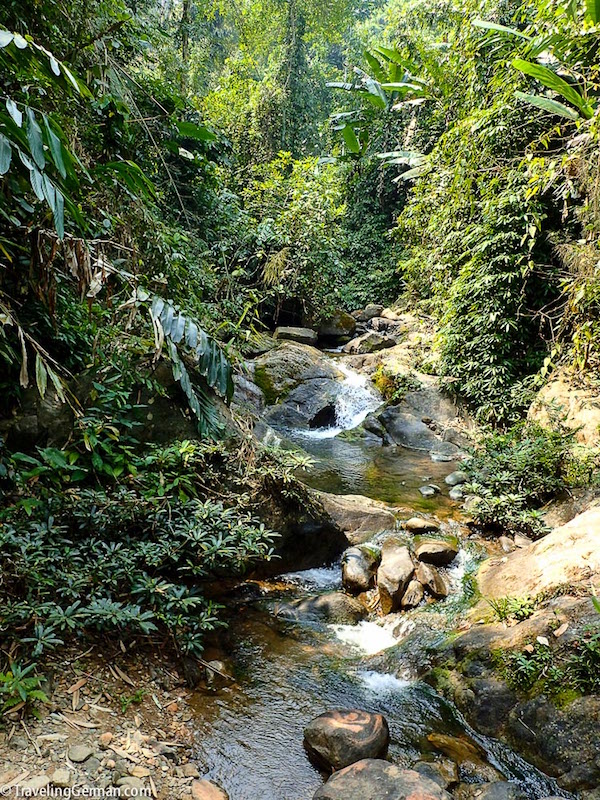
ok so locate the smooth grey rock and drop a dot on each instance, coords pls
(78, 753)
(456, 478)
(300, 335)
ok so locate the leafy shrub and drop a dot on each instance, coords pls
(20, 688)
(100, 563)
(514, 472)
(512, 608)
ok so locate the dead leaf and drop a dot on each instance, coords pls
(563, 629)
(529, 648)
(124, 676)
(543, 641)
(76, 686)
(75, 700)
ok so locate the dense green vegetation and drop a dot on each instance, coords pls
(177, 178)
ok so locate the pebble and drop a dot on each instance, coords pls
(190, 771)
(61, 778)
(79, 753)
(457, 477)
(456, 493)
(105, 740)
(205, 790)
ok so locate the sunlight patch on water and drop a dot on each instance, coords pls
(382, 682)
(367, 637)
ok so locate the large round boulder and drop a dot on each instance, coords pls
(279, 371)
(339, 324)
(338, 738)
(370, 342)
(394, 574)
(359, 568)
(374, 779)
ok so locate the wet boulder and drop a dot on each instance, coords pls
(338, 325)
(300, 335)
(374, 779)
(337, 738)
(394, 574)
(498, 790)
(420, 525)
(333, 607)
(369, 312)
(207, 790)
(281, 370)
(444, 772)
(413, 595)
(312, 404)
(439, 552)
(370, 342)
(359, 568)
(359, 518)
(456, 478)
(432, 581)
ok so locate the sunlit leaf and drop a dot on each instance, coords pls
(553, 81)
(5, 155)
(547, 104)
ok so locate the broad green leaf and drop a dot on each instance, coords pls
(14, 112)
(34, 137)
(553, 81)
(5, 155)
(376, 67)
(494, 26)
(55, 148)
(37, 184)
(592, 11)
(192, 131)
(41, 376)
(401, 86)
(6, 38)
(394, 55)
(596, 603)
(350, 139)
(545, 103)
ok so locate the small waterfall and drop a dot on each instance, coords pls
(357, 398)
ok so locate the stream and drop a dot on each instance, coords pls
(287, 671)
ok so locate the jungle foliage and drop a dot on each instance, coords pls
(177, 178)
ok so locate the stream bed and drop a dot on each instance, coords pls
(288, 671)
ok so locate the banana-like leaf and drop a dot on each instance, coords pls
(376, 68)
(547, 104)
(402, 86)
(553, 81)
(5, 155)
(211, 362)
(351, 140)
(494, 26)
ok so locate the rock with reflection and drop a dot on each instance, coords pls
(413, 595)
(373, 779)
(359, 568)
(337, 738)
(333, 607)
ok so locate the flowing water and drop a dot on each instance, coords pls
(250, 731)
